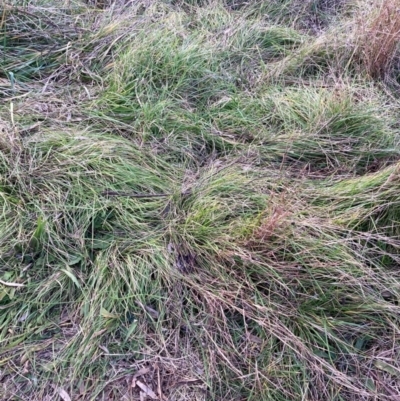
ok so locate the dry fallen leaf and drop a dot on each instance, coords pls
(254, 339)
(26, 368)
(98, 333)
(152, 312)
(139, 373)
(105, 349)
(148, 391)
(63, 394)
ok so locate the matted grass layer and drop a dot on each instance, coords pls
(198, 201)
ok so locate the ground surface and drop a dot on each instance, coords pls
(199, 200)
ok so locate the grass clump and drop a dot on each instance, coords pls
(198, 201)
(36, 40)
(324, 129)
(46, 189)
(368, 203)
(158, 86)
(327, 129)
(379, 37)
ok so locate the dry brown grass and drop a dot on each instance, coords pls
(380, 37)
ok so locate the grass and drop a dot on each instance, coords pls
(380, 34)
(199, 201)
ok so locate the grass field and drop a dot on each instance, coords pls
(200, 200)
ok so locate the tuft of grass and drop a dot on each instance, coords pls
(164, 65)
(368, 203)
(324, 128)
(379, 38)
(327, 129)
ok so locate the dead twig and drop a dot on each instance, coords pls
(8, 284)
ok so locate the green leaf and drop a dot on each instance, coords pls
(102, 242)
(38, 234)
(72, 277)
(359, 343)
(370, 384)
(131, 329)
(74, 259)
(387, 367)
(3, 294)
(11, 293)
(108, 315)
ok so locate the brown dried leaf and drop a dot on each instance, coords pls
(63, 394)
(139, 373)
(148, 391)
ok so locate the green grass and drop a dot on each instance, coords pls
(199, 199)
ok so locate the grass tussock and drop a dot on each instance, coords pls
(199, 201)
(379, 38)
